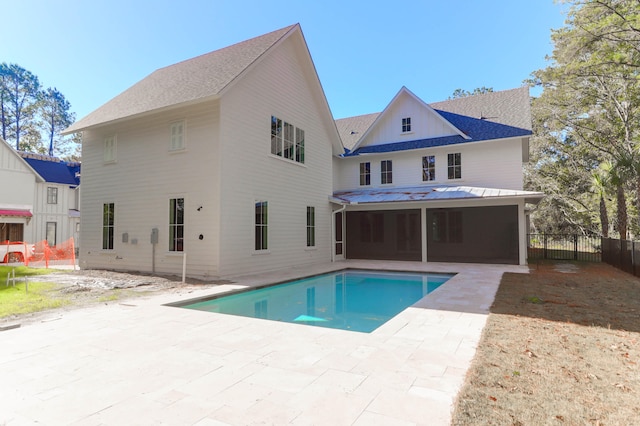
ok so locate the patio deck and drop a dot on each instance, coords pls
(139, 362)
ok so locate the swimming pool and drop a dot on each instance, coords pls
(356, 300)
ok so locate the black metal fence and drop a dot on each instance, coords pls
(622, 254)
(564, 247)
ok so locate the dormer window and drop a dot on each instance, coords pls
(406, 125)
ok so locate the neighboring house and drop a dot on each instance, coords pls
(39, 197)
(231, 162)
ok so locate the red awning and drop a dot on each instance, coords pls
(15, 213)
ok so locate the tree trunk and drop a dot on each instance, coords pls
(622, 212)
(604, 218)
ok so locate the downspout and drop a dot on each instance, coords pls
(333, 232)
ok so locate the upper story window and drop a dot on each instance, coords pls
(177, 136)
(454, 166)
(406, 124)
(287, 141)
(261, 225)
(108, 225)
(52, 195)
(386, 172)
(428, 168)
(109, 149)
(176, 224)
(365, 174)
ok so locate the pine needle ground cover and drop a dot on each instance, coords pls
(15, 300)
(561, 346)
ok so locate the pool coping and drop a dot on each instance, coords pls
(113, 363)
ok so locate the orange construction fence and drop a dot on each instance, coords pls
(38, 254)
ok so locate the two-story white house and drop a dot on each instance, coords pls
(231, 162)
(39, 197)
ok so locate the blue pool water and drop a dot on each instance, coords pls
(355, 300)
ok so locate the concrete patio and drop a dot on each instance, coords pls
(139, 362)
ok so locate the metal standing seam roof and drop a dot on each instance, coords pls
(429, 193)
(190, 80)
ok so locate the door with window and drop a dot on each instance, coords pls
(339, 236)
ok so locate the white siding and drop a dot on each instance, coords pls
(44, 212)
(424, 123)
(280, 86)
(17, 180)
(141, 182)
(492, 164)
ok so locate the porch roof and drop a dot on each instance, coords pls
(429, 193)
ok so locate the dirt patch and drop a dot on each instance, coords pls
(558, 348)
(90, 287)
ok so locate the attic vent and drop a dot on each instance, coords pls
(353, 132)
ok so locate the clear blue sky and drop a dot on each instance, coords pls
(364, 51)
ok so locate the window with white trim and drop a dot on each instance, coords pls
(454, 166)
(428, 168)
(108, 225)
(52, 195)
(176, 142)
(386, 172)
(365, 174)
(287, 141)
(109, 149)
(51, 233)
(176, 224)
(311, 226)
(261, 225)
(406, 125)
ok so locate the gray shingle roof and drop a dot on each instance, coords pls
(191, 80)
(351, 129)
(508, 107)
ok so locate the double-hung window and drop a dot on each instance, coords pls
(454, 166)
(261, 225)
(365, 174)
(386, 172)
(406, 125)
(52, 195)
(176, 142)
(51, 233)
(428, 168)
(311, 226)
(108, 225)
(287, 141)
(176, 224)
(109, 149)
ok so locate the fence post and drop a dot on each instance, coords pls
(544, 250)
(575, 246)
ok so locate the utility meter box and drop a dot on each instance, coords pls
(154, 236)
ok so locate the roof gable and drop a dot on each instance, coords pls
(425, 122)
(494, 115)
(196, 79)
(7, 150)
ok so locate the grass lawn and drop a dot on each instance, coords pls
(561, 347)
(17, 300)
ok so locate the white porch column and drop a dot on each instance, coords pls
(522, 233)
